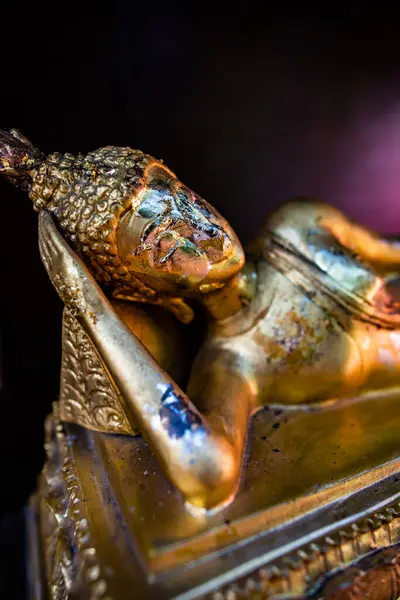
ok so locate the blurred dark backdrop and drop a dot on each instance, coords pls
(248, 105)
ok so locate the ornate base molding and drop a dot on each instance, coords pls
(106, 524)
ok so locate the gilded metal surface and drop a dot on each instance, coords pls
(71, 564)
(287, 432)
(335, 345)
(375, 577)
(87, 395)
(143, 233)
(282, 535)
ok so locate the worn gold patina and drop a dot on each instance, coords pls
(304, 337)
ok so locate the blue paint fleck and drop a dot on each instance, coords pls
(176, 416)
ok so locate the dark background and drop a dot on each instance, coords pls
(249, 104)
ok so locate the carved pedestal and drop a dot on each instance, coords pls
(317, 514)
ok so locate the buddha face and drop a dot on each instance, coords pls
(175, 240)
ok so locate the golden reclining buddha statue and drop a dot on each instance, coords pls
(302, 342)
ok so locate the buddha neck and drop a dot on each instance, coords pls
(235, 295)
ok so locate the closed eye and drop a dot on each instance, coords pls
(148, 229)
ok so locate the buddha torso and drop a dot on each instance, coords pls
(321, 317)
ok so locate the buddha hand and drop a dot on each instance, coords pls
(72, 280)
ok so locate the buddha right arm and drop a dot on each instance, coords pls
(200, 458)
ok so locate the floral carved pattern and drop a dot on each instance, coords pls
(71, 564)
(356, 562)
(87, 395)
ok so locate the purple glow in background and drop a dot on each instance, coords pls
(368, 171)
(271, 118)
